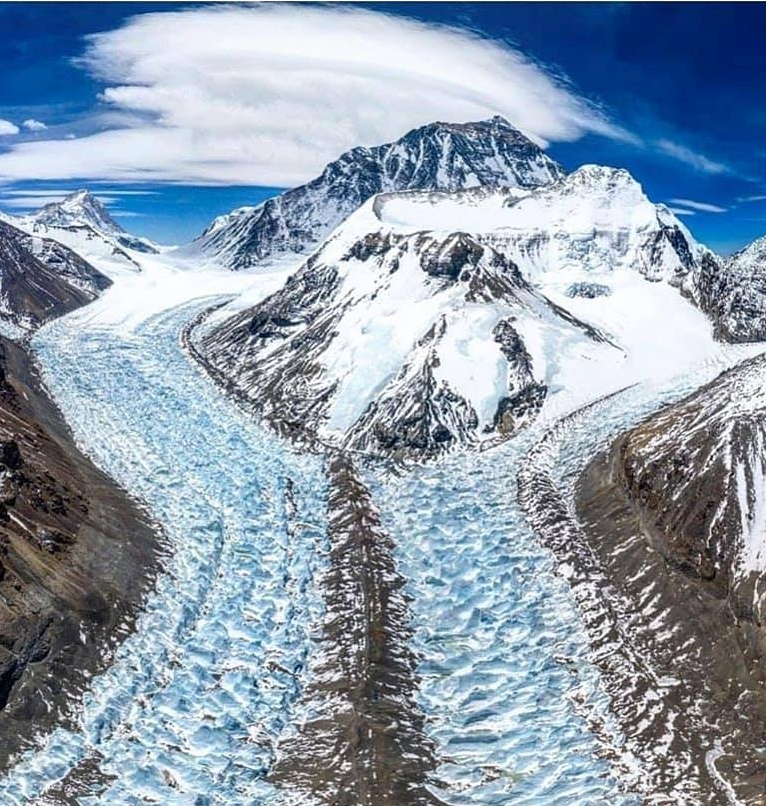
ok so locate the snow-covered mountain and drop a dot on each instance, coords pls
(434, 319)
(41, 279)
(79, 209)
(696, 471)
(447, 156)
(81, 222)
(735, 295)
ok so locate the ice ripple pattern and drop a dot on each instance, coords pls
(505, 680)
(190, 710)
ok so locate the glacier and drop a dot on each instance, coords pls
(197, 698)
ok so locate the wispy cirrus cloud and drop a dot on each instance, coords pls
(681, 211)
(268, 94)
(32, 125)
(703, 207)
(34, 198)
(692, 158)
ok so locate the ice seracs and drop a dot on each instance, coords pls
(447, 156)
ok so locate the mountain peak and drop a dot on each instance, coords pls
(80, 196)
(437, 156)
(495, 122)
(496, 130)
(78, 209)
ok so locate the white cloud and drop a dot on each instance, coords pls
(6, 127)
(703, 207)
(41, 193)
(61, 192)
(33, 125)
(36, 198)
(33, 202)
(697, 161)
(756, 198)
(679, 211)
(30, 202)
(268, 94)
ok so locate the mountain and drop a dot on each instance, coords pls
(41, 279)
(735, 297)
(447, 156)
(79, 209)
(77, 556)
(697, 472)
(430, 320)
(672, 519)
(81, 222)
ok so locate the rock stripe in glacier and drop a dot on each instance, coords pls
(361, 740)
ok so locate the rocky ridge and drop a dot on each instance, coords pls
(41, 279)
(82, 223)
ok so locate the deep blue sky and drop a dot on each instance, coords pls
(685, 72)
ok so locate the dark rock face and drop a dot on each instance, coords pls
(440, 156)
(41, 279)
(274, 355)
(588, 290)
(669, 558)
(524, 405)
(695, 473)
(415, 416)
(76, 557)
(654, 556)
(526, 396)
(733, 293)
(459, 253)
(673, 236)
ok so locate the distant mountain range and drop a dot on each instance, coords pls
(41, 279)
(81, 222)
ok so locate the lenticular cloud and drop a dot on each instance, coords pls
(293, 88)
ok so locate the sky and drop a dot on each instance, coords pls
(176, 113)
